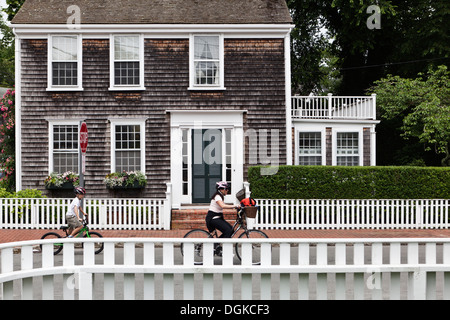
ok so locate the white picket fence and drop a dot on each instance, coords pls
(50, 213)
(353, 214)
(149, 268)
(144, 214)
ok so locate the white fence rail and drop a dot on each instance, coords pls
(145, 214)
(50, 213)
(144, 268)
(331, 107)
(353, 214)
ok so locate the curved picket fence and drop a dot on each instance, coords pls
(149, 268)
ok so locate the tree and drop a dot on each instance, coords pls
(7, 69)
(413, 36)
(423, 104)
(13, 7)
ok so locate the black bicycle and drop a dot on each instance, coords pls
(240, 223)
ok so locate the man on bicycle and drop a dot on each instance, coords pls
(214, 218)
(73, 215)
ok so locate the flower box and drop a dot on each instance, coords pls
(62, 181)
(125, 180)
(64, 186)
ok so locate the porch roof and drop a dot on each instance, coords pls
(155, 12)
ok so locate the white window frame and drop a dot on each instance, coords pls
(52, 124)
(360, 143)
(79, 86)
(322, 140)
(112, 85)
(192, 84)
(127, 122)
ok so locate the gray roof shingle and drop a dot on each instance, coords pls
(156, 12)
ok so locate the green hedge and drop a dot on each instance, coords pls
(332, 182)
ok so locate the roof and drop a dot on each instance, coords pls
(155, 12)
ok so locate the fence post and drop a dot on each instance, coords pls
(330, 105)
(168, 207)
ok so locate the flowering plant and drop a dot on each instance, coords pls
(57, 179)
(125, 179)
(7, 140)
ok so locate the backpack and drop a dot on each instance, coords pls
(248, 202)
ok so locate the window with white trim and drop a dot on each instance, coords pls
(127, 69)
(347, 149)
(128, 146)
(64, 148)
(65, 60)
(310, 148)
(206, 62)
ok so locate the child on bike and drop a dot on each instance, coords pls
(214, 218)
(73, 215)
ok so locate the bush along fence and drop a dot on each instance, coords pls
(332, 182)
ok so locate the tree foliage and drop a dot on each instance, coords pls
(413, 36)
(13, 7)
(423, 104)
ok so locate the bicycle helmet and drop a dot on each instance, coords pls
(222, 185)
(80, 190)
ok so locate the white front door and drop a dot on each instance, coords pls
(206, 147)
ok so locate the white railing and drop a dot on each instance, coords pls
(353, 214)
(145, 268)
(145, 214)
(330, 107)
(50, 213)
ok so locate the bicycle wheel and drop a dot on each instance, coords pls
(97, 245)
(256, 247)
(198, 247)
(57, 247)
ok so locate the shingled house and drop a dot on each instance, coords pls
(159, 83)
(187, 91)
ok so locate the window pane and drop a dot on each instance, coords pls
(128, 154)
(64, 48)
(310, 148)
(347, 149)
(206, 48)
(207, 73)
(126, 48)
(65, 148)
(65, 74)
(206, 60)
(347, 143)
(126, 73)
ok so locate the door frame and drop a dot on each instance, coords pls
(204, 119)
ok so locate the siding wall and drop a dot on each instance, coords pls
(254, 81)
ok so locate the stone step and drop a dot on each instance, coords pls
(187, 219)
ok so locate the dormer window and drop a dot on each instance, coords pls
(64, 67)
(127, 62)
(206, 62)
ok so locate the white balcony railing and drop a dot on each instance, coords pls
(331, 107)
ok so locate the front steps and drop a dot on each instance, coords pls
(194, 218)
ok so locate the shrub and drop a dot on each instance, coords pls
(332, 182)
